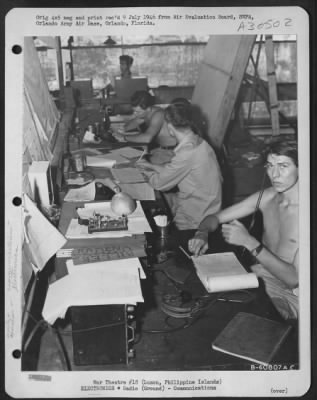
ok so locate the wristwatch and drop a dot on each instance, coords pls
(257, 250)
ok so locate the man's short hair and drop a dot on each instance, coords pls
(180, 100)
(179, 115)
(284, 148)
(143, 99)
(183, 114)
(126, 59)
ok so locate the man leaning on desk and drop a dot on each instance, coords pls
(277, 254)
(193, 169)
(148, 125)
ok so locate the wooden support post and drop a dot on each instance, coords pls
(271, 77)
(60, 71)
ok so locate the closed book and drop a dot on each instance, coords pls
(253, 338)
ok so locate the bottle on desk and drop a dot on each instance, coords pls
(77, 131)
(106, 123)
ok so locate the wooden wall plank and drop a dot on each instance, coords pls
(271, 77)
(219, 81)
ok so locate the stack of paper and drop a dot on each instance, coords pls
(127, 175)
(86, 193)
(222, 272)
(128, 265)
(108, 285)
(41, 247)
(137, 222)
(113, 157)
(138, 191)
(126, 152)
(105, 161)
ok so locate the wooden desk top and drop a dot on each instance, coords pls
(184, 349)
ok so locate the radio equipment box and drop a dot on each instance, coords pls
(102, 334)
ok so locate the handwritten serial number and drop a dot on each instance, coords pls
(269, 24)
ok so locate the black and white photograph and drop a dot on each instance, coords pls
(157, 197)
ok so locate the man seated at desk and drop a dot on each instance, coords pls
(193, 168)
(277, 254)
(150, 122)
(126, 62)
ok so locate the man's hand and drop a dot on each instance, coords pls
(119, 135)
(198, 245)
(236, 233)
(146, 166)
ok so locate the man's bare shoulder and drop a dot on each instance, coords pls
(157, 117)
(269, 195)
(158, 112)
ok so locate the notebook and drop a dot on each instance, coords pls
(252, 338)
(221, 272)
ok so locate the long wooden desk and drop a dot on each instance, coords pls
(159, 344)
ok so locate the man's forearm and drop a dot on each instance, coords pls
(139, 138)
(284, 271)
(133, 124)
(208, 224)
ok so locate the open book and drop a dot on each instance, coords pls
(221, 272)
(252, 338)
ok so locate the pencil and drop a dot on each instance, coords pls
(185, 252)
(141, 156)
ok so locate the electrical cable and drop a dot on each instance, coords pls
(69, 332)
(190, 317)
(40, 324)
(175, 283)
(155, 331)
(63, 348)
(257, 206)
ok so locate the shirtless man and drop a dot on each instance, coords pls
(154, 132)
(277, 254)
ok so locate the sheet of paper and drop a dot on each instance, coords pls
(127, 175)
(128, 152)
(222, 272)
(87, 151)
(119, 118)
(41, 246)
(100, 161)
(85, 193)
(127, 265)
(86, 287)
(138, 191)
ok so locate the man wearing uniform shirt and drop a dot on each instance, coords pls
(193, 168)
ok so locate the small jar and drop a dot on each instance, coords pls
(79, 162)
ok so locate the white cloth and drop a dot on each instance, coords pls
(284, 299)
